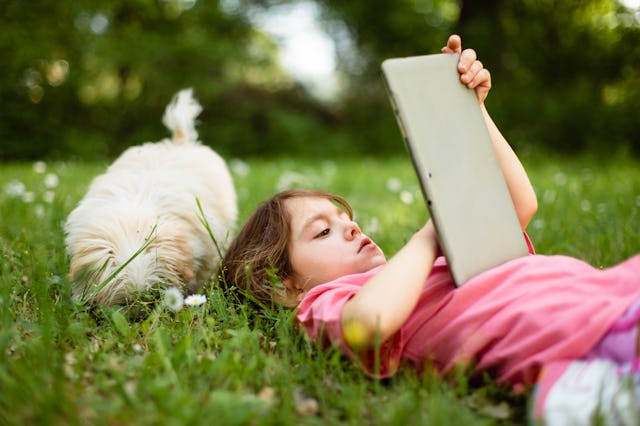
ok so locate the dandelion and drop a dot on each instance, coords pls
(51, 180)
(394, 184)
(239, 167)
(173, 299)
(14, 188)
(549, 196)
(372, 226)
(587, 176)
(355, 334)
(406, 197)
(28, 197)
(290, 179)
(538, 224)
(560, 179)
(39, 167)
(195, 300)
(329, 169)
(39, 211)
(48, 196)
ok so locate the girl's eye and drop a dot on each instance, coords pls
(323, 233)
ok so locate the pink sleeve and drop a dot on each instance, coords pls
(320, 313)
(529, 243)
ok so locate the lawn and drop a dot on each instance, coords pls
(223, 363)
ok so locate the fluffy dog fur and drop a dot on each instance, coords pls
(148, 197)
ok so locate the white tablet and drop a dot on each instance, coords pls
(462, 182)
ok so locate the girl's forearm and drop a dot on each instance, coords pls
(385, 302)
(520, 188)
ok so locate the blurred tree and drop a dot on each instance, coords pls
(566, 72)
(90, 78)
(365, 33)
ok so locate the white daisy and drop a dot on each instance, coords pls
(39, 211)
(173, 299)
(48, 196)
(239, 167)
(51, 180)
(372, 226)
(394, 184)
(15, 188)
(291, 179)
(406, 197)
(195, 300)
(39, 167)
(28, 197)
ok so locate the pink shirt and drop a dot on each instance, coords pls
(509, 320)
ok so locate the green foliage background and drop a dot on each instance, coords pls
(86, 79)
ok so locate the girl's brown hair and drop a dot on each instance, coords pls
(258, 260)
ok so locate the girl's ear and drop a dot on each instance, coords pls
(290, 296)
(287, 283)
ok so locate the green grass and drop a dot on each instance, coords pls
(222, 363)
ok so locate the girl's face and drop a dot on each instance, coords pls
(325, 243)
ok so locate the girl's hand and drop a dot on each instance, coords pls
(472, 72)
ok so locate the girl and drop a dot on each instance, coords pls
(553, 320)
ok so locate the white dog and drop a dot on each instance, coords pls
(139, 225)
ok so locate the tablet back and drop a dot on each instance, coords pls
(454, 159)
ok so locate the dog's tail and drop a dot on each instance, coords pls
(180, 117)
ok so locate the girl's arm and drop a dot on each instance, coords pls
(520, 188)
(476, 77)
(384, 303)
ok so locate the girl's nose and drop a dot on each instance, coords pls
(352, 230)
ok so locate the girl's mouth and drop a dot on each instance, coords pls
(364, 243)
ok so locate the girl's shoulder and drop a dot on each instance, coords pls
(328, 299)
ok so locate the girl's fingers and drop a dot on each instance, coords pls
(454, 44)
(472, 73)
(481, 84)
(467, 58)
(481, 79)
